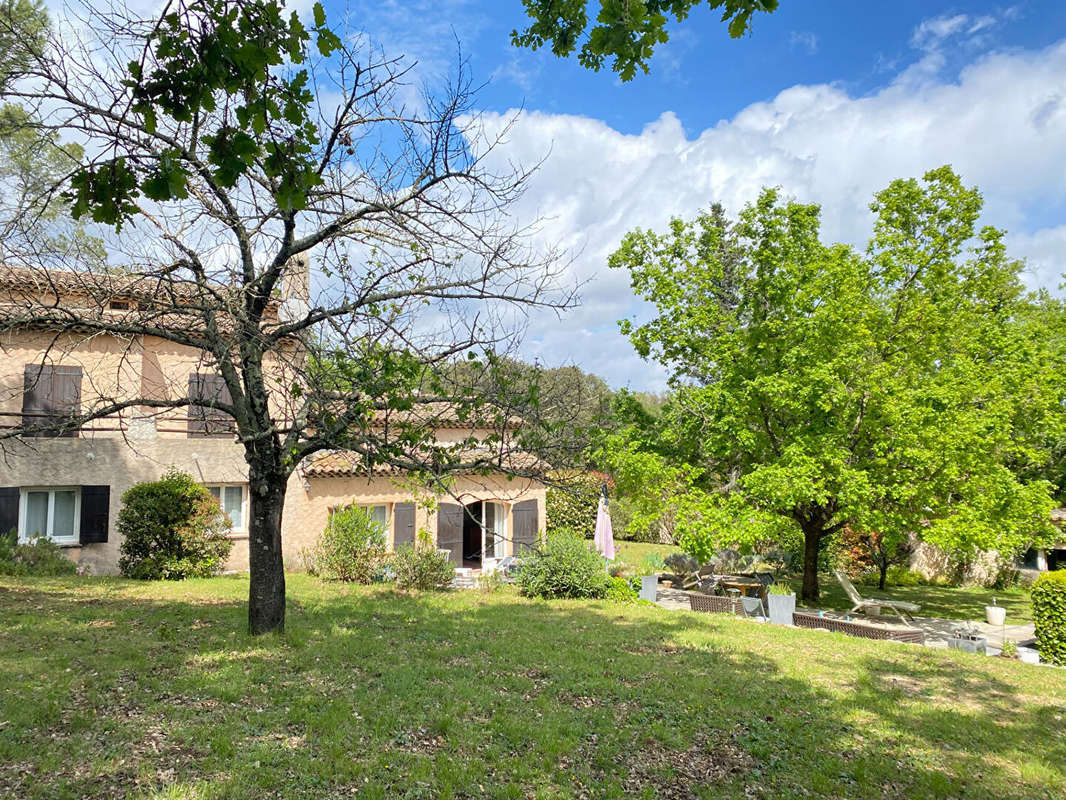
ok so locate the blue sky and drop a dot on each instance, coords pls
(828, 99)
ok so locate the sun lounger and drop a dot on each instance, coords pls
(901, 607)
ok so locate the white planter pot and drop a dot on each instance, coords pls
(1028, 655)
(782, 606)
(649, 587)
(995, 615)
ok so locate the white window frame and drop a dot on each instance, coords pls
(367, 507)
(244, 502)
(499, 540)
(389, 533)
(24, 492)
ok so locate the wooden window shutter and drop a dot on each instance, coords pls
(526, 526)
(9, 508)
(66, 388)
(450, 530)
(206, 420)
(51, 394)
(95, 504)
(403, 520)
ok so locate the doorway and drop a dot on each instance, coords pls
(484, 532)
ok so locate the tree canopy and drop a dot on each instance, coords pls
(828, 387)
(279, 203)
(626, 32)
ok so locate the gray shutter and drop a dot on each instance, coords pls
(9, 509)
(66, 396)
(205, 420)
(95, 502)
(403, 520)
(197, 417)
(450, 530)
(36, 391)
(526, 526)
(50, 395)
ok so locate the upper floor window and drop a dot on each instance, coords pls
(51, 394)
(207, 420)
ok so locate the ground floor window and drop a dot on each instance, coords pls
(379, 515)
(52, 512)
(234, 501)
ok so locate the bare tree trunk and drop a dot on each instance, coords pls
(883, 564)
(266, 592)
(812, 535)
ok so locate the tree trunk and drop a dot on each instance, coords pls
(812, 535)
(884, 573)
(266, 590)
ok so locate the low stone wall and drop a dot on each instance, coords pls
(934, 564)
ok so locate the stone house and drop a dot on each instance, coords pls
(69, 487)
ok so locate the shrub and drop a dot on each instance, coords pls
(572, 505)
(620, 590)
(895, 576)
(565, 567)
(351, 548)
(422, 568)
(681, 564)
(172, 529)
(1049, 614)
(40, 557)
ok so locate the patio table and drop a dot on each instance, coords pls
(743, 585)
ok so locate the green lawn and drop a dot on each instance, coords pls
(635, 552)
(115, 689)
(946, 602)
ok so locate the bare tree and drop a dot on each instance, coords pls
(285, 205)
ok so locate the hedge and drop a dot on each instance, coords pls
(1049, 613)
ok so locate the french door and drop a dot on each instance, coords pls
(493, 530)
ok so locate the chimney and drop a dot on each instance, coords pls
(296, 281)
(295, 289)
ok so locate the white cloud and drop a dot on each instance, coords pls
(933, 31)
(1001, 123)
(803, 40)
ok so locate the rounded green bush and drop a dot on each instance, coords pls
(172, 529)
(422, 568)
(1049, 614)
(565, 567)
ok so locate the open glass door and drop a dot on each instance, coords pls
(493, 530)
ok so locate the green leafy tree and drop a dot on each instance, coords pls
(23, 35)
(235, 147)
(831, 387)
(624, 31)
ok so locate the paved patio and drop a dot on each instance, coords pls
(937, 631)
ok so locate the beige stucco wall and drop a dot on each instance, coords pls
(118, 369)
(110, 460)
(307, 509)
(145, 442)
(119, 463)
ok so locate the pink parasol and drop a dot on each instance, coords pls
(604, 538)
